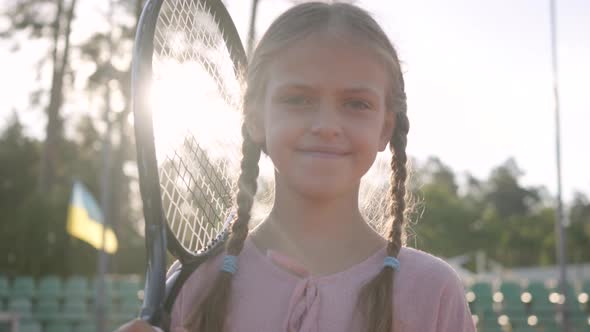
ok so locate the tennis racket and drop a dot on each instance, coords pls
(187, 65)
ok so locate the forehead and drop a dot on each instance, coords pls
(329, 61)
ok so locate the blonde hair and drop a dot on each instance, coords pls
(375, 298)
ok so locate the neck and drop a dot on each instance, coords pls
(325, 235)
(322, 217)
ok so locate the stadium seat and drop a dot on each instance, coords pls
(59, 326)
(109, 287)
(508, 295)
(127, 310)
(88, 326)
(76, 287)
(75, 309)
(537, 298)
(510, 290)
(29, 327)
(481, 299)
(4, 288)
(581, 322)
(50, 287)
(47, 309)
(21, 306)
(23, 287)
(525, 329)
(495, 328)
(550, 326)
(128, 288)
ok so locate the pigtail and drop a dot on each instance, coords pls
(210, 314)
(375, 298)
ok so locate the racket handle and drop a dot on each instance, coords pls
(155, 277)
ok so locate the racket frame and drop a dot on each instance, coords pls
(159, 293)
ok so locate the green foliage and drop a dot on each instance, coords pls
(512, 223)
(33, 238)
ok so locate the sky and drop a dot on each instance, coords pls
(478, 80)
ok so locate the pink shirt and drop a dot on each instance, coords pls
(273, 293)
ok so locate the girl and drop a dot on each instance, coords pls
(325, 94)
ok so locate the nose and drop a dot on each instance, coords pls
(326, 121)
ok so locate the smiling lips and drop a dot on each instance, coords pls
(323, 152)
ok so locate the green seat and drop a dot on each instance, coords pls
(511, 301)
(75, 309)
(127, 310)
(482, 289)
(110, 287)
(511, 292)
(110, 293)
(59, 326)
(50, 287)
(482, 303)
(580, 321)
(539, 301)
(87, 326)
(128, 288)
(4, 288)
(23, 287)
(21, 306)
(29, 327)
(551, 326)
(47, 309)
(524, 329)
(76, 287)
(491, 328)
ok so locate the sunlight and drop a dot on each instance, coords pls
(186, 100)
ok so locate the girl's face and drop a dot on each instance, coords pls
(323, 117)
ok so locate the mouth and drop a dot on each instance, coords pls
(323, 153)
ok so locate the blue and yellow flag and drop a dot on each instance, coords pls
(86, 222)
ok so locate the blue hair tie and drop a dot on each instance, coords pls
(230, 264)
(391, 262)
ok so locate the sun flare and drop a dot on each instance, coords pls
(187, 101)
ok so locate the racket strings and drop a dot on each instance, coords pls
(199, 151)
(187, 32)
(186, 186)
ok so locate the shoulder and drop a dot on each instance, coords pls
(201, 279)
(421, 268)
(427, 286)
(421, 262)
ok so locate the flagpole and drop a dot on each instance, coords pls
(101, 316)
(561, 248)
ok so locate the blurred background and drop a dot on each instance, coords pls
(479, 80)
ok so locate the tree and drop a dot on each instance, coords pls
(578, 232)
(25, 16)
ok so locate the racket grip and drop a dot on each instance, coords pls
(155, 277)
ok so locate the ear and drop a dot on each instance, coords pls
(387, 131)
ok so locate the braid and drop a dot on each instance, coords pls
(210, 314)
(397, 202)
(247, 187)
(375, 298)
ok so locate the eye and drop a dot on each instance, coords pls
(358, 105)
(297, 100)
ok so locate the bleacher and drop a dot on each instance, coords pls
(534, 306)
(53, 304)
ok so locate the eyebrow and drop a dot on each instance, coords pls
(300, 86)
